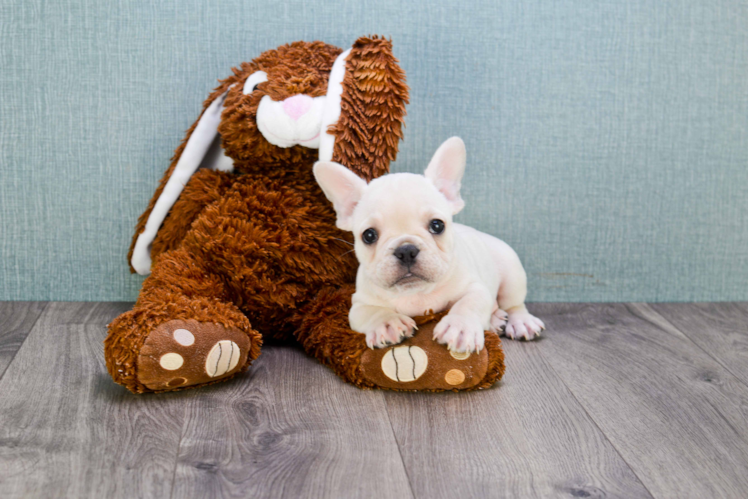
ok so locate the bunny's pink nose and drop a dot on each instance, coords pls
(296, 106)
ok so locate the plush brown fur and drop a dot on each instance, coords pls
(257, 249)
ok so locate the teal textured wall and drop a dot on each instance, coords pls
(608, 141)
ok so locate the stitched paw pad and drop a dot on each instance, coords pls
(421, 363)
(182, 353)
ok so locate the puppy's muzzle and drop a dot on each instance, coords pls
(406, 254)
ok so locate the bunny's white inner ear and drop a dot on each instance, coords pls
(202, 149)
(332, 106)
(216, 159)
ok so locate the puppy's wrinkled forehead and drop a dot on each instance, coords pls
(399, 198)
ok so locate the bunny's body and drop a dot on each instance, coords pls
(239, 240)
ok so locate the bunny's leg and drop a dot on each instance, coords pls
(418, 363)
(204, 187)
(184, 330)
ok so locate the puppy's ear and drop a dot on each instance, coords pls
(342, 187)
(445, 170)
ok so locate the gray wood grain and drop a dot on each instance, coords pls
(16, 321)
(615, 401)
(527, 437)
(66, 430)
(290, 428)
(678, 418)
(720, 329)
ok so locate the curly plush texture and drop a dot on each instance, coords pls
(373, 97)
(257, 250)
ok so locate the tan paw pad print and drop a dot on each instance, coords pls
(222, 358)
(405, 363)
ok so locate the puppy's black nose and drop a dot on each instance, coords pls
(406, 254)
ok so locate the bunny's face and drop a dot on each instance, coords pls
(277, 104)
(281, 112)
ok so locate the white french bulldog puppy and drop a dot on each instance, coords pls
(414, 259)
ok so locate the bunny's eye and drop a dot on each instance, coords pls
(254, 80)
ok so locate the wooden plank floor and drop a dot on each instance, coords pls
(617, 400)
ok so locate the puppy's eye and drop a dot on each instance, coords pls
(436, 226)
(369, 236)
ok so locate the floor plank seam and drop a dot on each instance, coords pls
(36, 321)
(594, 421)
(179, 450)
(399, 451)
(691, 341)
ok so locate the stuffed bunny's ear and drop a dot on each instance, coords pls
(342, 187)
(332, 106)
(446, 169)
(365, 108)
(202, 149)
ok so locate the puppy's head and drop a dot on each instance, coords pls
(402, 223)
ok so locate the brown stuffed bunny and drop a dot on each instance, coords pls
(241, 243)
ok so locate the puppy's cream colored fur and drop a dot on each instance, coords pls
(421, 260)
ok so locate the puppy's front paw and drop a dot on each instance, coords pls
(523, 325)
(460, 333)
(392, 331)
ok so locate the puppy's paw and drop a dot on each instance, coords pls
(498, 321)
(460, 333)
(523, 325)
(392, 330)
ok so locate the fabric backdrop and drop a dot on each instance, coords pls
(607, 140)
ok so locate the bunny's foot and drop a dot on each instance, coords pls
(146, 352)
(186, 353)
(418, 363)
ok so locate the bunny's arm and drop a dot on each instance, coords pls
(205, 187)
